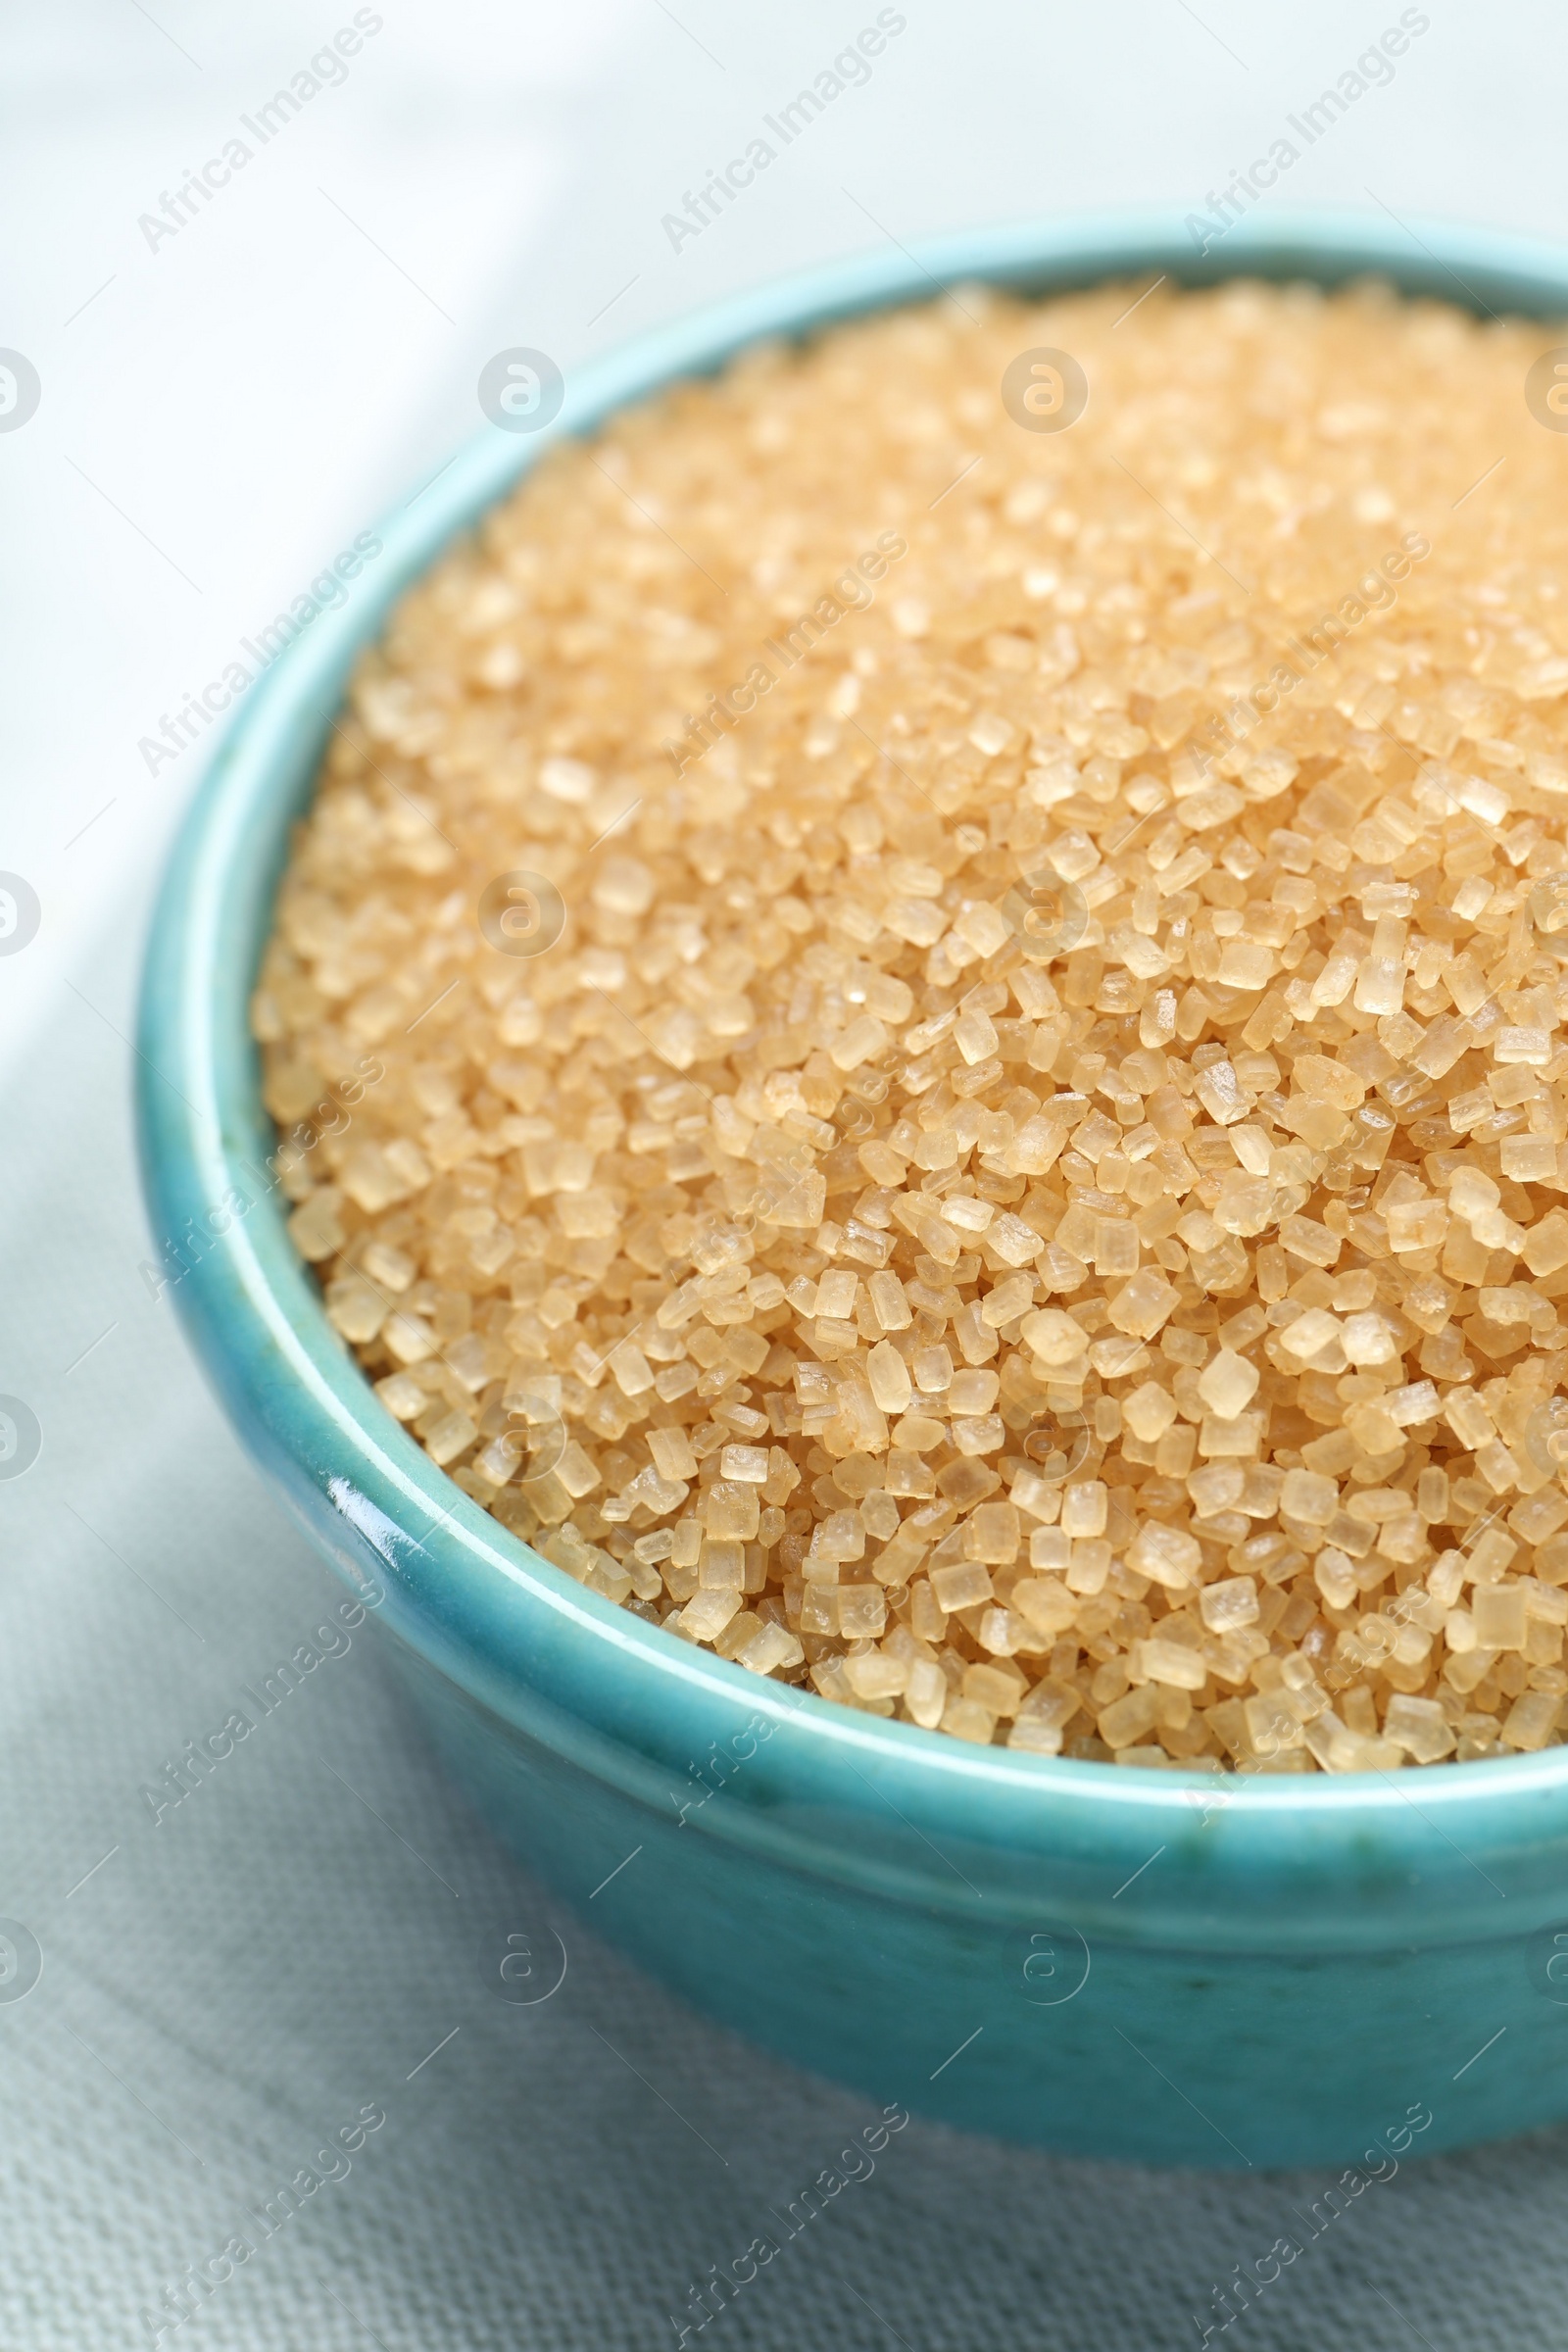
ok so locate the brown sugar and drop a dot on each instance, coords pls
(945, 1039)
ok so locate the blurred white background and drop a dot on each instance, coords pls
(221, 414)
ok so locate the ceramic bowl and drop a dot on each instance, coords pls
(1149, 1965)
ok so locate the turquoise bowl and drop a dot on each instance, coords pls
(1114, 1962)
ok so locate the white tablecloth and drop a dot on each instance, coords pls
(266, 1968)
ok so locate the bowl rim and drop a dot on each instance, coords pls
(257, 1321)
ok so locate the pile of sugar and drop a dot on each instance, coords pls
(1027, 1194)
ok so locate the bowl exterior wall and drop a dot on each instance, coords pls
(1124, 2052)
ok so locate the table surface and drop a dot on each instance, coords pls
(225, 1987)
